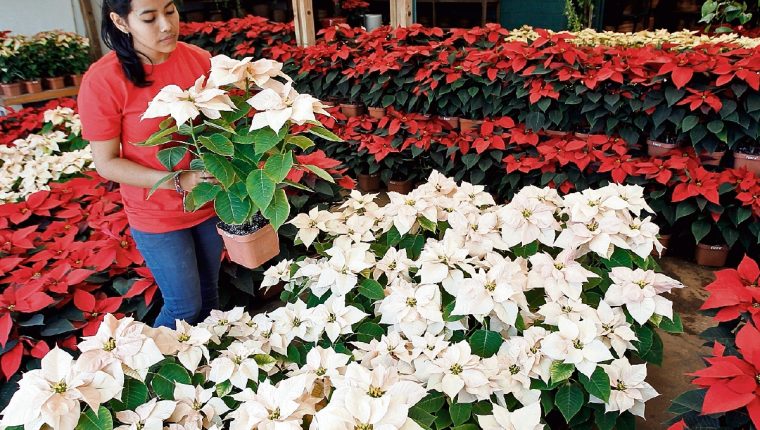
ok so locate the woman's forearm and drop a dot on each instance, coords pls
(128, 172)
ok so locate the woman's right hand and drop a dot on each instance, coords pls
(189, 179)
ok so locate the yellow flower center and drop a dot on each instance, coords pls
(559, 266)
(237, 359)
(321, 371)
(411, 302)
(364, 427)
(183, 337)
(331, 318)
(375, 392)
(620, 386)
(223, 322)
(275, 414)
(490, 286)
(392, 265)
(110, 345)
(514, 369)
(197, 405)
(577, 344)
(527, 213)
(60, 387)
(592, 226)
(456, 369)
(296, 322)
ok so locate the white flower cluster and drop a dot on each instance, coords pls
(31, 163)
(427, 309)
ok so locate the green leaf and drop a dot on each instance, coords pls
(569, 401)
(598, 385)
(689, 122)
(89, 420)
(460, 412)
(278, 211)
(204, 193)
(369, 331)
(619, 258)
(223, 388)
(700, 228)
(672, 326)
(170, 157)
(432, 403)
(161, 181)
(422, 417)
(219, 144)
(325, 134)
(605, 421)
(220, 168)
(134, 394)
(561, 371)
(266, 139)
(260, 188)
(231, 208)
(685, 209)
(320, 172)
(485, 343)
(715, 126)
(166, 378)
(58, 327)
(302, 142)
(160, 137)
(278, 166)
(371, 289)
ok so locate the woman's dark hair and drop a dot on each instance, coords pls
(121, 43)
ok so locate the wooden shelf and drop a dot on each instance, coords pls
(38, 97)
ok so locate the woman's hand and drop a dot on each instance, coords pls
(189, 179)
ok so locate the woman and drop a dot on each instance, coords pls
(182, 250)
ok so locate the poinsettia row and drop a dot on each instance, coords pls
(729, 394)
(241, 37)
(66, 259)
(19, 124)
(706, 95)
(31, 162)
(506, 156)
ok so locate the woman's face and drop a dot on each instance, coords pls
(154, 26)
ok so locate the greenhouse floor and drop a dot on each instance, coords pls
(682, 353)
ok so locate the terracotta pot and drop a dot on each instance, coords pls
(665, 241)
(351, 110)
(369, 183)
(466, 125)
(376, 112)
(33, 86)
(659, 149)
(401, 187)
(751, 162)
(76, 80)
(711, 158)
(581, 135)
(12, 90)
(252, 250)
(559, 133)
(55, 83)
(332, 21)
(711, 255)
(453, 121)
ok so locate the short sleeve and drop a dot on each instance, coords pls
(99, 107)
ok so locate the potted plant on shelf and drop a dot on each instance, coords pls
(10, 65)
(747, 154)
(714, 240)
(51, 58)
(78, 59)
(28, 57)
(253, 146)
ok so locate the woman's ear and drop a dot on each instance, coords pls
(119, 22)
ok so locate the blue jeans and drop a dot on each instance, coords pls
(185, 264)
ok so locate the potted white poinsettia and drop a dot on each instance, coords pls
(238, 127)
(473, 317)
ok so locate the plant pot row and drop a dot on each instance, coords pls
(371, 183)
(750, 161)
(704, 254)
(38, 85)
(351, 110)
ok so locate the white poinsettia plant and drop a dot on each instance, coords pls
(437, 310)
(237, 123)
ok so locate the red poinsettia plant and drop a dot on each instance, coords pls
(729, 394)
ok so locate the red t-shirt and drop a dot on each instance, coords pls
(111, 106)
